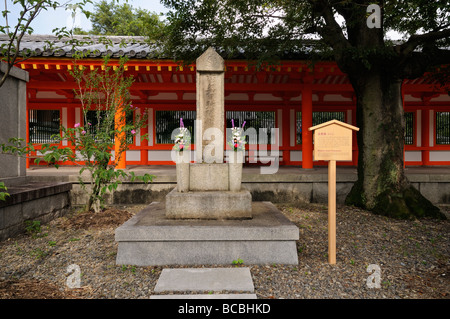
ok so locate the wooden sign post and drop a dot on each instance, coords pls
(332, 142)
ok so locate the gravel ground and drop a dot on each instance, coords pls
(412, 256)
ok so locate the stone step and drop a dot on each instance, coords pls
(236, 279)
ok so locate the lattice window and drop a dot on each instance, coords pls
(43, 124)
(318, 118)
(167, 121)
(409, 128)
(253, 119)
(95, 116)
(443, 128)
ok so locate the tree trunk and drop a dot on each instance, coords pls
(382, 186)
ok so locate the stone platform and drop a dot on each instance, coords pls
(150, 238)
(38, 201)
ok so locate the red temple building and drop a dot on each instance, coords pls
(290, 96)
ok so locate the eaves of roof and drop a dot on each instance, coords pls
(92, 46)
(135, 47)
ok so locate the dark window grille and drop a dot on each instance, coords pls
(167, 121)
(43, 124)
(95, 116)
(443, 128)
(253, 119)
(317, 118)
(409, 128)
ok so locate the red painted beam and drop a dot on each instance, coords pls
(164, 87)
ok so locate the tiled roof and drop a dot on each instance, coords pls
(95, 46)
(116, 46)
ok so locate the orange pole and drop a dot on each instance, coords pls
(307, 137)
(120, 156)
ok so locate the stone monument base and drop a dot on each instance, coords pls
(150, 238)
(209, 205)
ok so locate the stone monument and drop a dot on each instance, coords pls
(208, 218)
(209, 188)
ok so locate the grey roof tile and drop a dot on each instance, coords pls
(95, 46)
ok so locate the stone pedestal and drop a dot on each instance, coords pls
(208, 177)
(150, 238)
(209, 205)
(209, 191)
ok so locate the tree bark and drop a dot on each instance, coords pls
(382, 186)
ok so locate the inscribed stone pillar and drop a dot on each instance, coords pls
(209, 137)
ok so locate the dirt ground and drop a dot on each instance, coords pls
(411, 239)
(37, 289)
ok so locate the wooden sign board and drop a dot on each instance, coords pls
(333, 141)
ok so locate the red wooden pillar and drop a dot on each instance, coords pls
(425, 136)
(120, 157)
(307, 137)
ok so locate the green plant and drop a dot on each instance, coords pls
(19, 249)
(38, 253)
(52, 243)
(131, 268)
(238, 262)
(3, 193)
(104, 91)
(301, 248)
(34, 229)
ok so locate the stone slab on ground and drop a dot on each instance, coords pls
(205, 279)
(150, 238)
